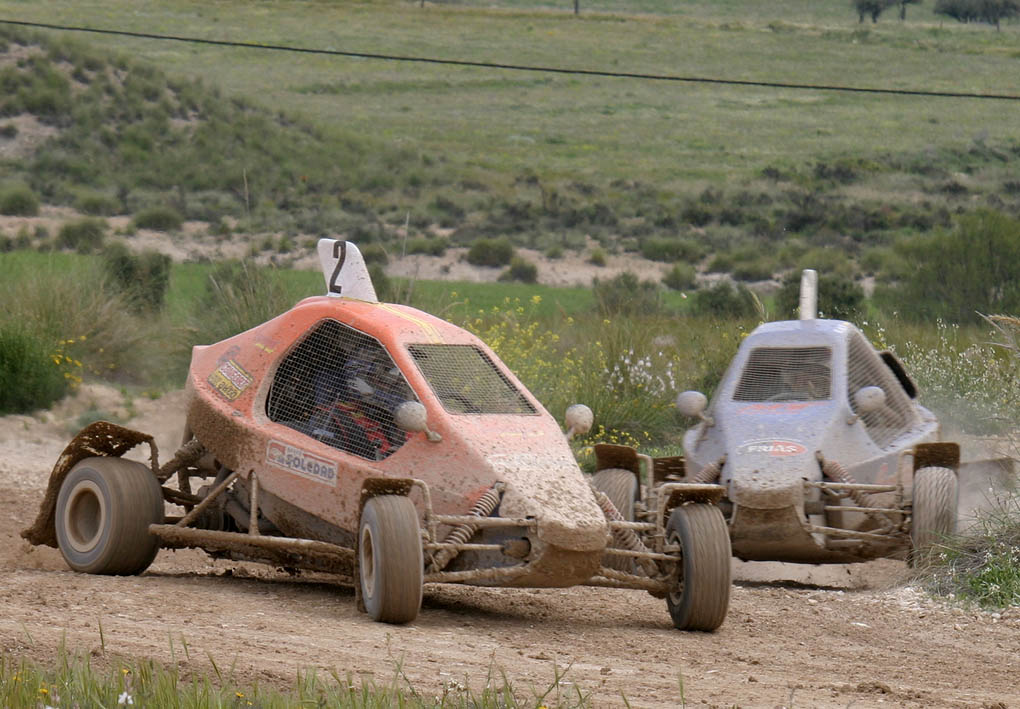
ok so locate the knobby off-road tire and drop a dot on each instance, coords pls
(621, 487)
(934, 514)
(390, 562)
(699, 589)
(104, 510)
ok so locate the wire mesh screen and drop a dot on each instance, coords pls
(866, 368)
(341, 387)
(467, 382)
(786, 374)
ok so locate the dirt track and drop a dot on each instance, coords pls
(795, 636)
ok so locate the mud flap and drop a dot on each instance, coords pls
(99, 439)
(939, 455)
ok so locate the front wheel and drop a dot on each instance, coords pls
(934, 509)
(390, 562)
(699, 587)
(104, 510)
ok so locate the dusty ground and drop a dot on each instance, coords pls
(795, 636)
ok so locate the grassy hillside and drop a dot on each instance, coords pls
(740, 180)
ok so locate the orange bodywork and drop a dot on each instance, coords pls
(228, 385)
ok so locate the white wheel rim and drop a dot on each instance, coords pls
(677, 594)
(84, 516)
(367, 561)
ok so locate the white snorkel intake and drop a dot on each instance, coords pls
(808, 294)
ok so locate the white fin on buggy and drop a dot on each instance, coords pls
(345, 272)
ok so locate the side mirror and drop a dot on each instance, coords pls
(868, 399)
(411, 416)
(579, 419)
(691, 403)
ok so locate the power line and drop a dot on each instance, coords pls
(521, 67)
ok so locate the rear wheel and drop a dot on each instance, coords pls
(104, 510)
(699, 587)
(390, 561)
(934, 513)
(621, 487)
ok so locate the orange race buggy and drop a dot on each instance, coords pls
(387, 446)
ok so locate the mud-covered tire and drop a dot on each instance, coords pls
(699, 588)
(104, 509)
(621, 487)
(390, 562)
(936, 490)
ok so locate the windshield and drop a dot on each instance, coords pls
(786, 374)
(466, 381)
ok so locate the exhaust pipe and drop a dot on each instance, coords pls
(809, 294)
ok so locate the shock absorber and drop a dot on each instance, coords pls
(710, 473)
(461, 533)
(625, 538)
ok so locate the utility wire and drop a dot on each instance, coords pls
(521, 67)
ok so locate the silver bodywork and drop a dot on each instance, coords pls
(787, 411)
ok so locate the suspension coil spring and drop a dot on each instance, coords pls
(461, 533)
(625, 538)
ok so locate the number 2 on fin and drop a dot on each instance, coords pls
(340, 254)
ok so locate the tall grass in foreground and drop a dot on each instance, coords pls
(72, 681)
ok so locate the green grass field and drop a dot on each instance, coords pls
(587, 128)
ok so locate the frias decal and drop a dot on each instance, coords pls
(773, 447)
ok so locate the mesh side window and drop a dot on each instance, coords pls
(341, 387)
(866, 368)
(467, 382)
(786, 374)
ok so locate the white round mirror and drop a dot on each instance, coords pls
(579, 419)
(410, 416)
(691, 403)
(868, 399)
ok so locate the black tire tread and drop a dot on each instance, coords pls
(400, 567)
(934, 508)
(706, 570)
(136, 501)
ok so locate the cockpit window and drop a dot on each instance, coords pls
(467, 381)
(786, 374)
(341, 387)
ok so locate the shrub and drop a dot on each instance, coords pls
(839, 297)
(159, 219)
(667, 250)
(384, 289)
(597, 257)
(31, 376)
(520, 270)
(8, 130)
(97, 204)
(375, 253)
(491, 252)
(626, 295)
(554, 252)
(18, 200)
(725, 301)
(433, 246)
(238, 296)
(143, 278)
(82, 235)
(973, 268)
(680, 277)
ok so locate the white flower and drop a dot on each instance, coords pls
(125, 698)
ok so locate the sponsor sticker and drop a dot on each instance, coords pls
(230, 380)
(776, 448)
(294, 460)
